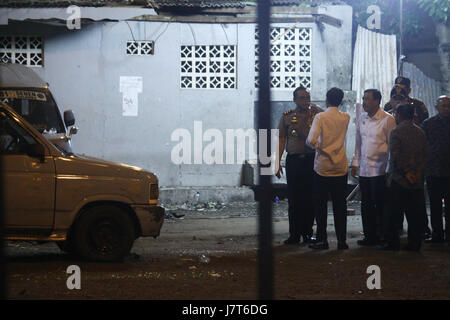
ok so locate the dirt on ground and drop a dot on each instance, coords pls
(212, 254)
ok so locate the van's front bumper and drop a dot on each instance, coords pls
(151, 218)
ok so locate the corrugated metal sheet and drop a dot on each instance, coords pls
(59, 15)
(310, 2)
(287, 2)
(234, 3)
(200, 3)
(66, 3)
(422, 87)
(374, 63)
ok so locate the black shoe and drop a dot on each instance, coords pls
(309, 239)
(322, 245)
(435, 240)
(342, 245)
(291, 240)
(367, 242)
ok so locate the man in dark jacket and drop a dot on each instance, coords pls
(408, 152)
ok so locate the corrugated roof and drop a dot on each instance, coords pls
(223, 3)
(201, 3)
(66, 3)
(158, 3)
(287, 2)
(312, 2)
(233, 3)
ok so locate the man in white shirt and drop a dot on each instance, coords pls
(327, 136)
(371, 159)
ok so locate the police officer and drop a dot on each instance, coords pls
(398, 95)
(293, 130)
(420, 110)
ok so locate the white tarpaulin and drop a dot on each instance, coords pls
(422, 87)
(374, 63)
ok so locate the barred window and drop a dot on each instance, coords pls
(208, 67)
(21, 50)
(140, 48)
(290, 58)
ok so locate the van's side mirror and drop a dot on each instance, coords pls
(69, 118)
(36, 151)
(73, 130)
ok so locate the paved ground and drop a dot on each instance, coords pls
(212, 254)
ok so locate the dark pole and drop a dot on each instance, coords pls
(265, 257)
(401, 37)
(2, 243)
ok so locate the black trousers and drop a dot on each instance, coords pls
(337, 188)
(373, 191)
(424, 215)
(410, 202)
(299, 176)
(438, 189)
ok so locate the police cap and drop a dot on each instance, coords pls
(404, 81)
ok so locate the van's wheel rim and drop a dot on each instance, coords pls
(105, 236)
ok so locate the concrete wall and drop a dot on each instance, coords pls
(331, 67)
(84, 68)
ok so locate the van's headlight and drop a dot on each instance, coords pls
(154, 193)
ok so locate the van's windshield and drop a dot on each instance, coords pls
(36, 106)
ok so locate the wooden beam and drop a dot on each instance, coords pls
(252, 10)
(235, 11)
(296, 10)
(242, 19)
(329, 20)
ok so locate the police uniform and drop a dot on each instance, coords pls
(294, 126)
(420, 110)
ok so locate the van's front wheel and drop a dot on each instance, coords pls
(104, 233)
